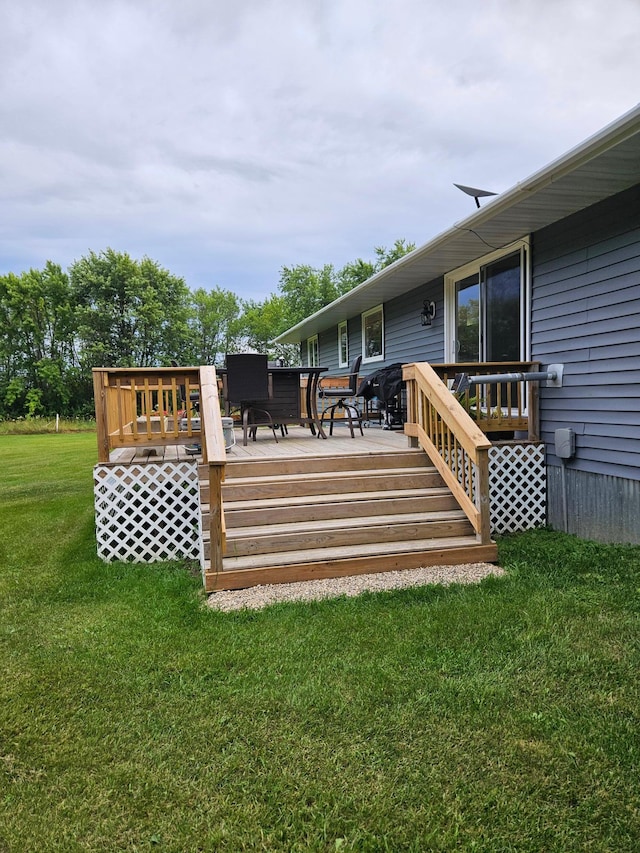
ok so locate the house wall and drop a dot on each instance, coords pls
(585, 313)
(405, 339)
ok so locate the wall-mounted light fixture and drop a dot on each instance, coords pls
(428, 312)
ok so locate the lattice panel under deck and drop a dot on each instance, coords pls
(148, 512)
(518, 487)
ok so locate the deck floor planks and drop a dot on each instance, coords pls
(298, 443)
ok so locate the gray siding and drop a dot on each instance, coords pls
(405, 339)
(328, 345)
(328, 349)
(585, 313)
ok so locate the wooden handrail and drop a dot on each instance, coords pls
(453, 441)
(215, 456)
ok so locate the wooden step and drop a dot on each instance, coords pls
(302, 509)
(342, 552)
(243, 572)
(341, 533)
(391, 480)
(290, 519)
(236, 469)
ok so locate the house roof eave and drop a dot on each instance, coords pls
(599, 167)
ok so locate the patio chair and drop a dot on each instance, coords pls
(248, 390)
(350, 409)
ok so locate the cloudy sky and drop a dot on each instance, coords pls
(226, 139)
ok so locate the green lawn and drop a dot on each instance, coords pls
(502, 717)
(41, 426)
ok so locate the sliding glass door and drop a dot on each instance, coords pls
(467, 317)
(486, 307)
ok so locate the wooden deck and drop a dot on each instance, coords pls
(306, 507)
(396, 483)
(298, 442)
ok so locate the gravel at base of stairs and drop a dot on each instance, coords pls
(257, 597)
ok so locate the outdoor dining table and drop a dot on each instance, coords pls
(285, 401)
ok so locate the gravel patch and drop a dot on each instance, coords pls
(257, 597)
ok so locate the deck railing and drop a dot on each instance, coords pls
(453, 441)
(145, 406)
(151, 407)
(214, 456)
(502, 407)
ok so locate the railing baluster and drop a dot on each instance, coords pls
(134, 406)
(161, 408)
(174, 404)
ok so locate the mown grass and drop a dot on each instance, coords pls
(42, 426)
(502, 717)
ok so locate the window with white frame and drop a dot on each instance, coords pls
(313, 358)
(373, 334)
(486, 308)
(343, 344)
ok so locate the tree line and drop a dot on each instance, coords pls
(110, 310)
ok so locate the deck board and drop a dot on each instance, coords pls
(298, 442)
(157, 453)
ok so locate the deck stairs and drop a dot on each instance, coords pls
(311, 517)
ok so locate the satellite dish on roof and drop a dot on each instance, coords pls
(474, 193)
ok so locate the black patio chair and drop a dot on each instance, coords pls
(350, 409)
(248, 390)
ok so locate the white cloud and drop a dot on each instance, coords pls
(225, 140)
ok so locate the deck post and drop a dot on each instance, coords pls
(412, 415)
(100, 385)
(482, 498)
(216, 517)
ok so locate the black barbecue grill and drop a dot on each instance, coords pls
(386, 386)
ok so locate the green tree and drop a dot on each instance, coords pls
(130, 313)
(307, 290)
(384, 257)
(38, 366)
(262, 321)
(354, 273)
(215, 325)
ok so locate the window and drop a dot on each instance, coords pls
(486, 308)
(343, 345)
(373, 335)
(313, 359)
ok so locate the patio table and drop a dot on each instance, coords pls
(285, 401)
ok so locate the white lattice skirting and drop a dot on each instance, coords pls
(517, 487)
(148, 512)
